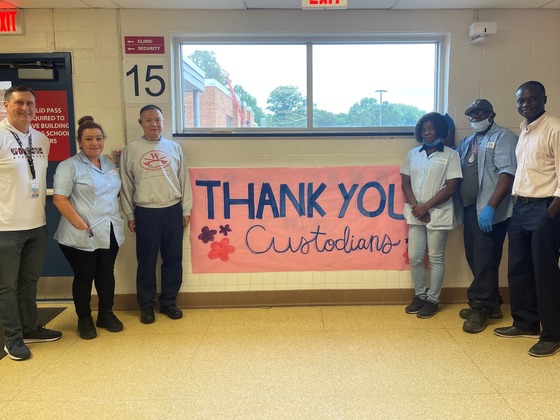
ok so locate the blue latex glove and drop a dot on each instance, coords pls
(450, 122)
(486, 218)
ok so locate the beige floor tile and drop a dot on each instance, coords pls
(262, 363)
(362, 362)
(280, 406)
(506, 362)
(267, 319)
(535, 405)
(425, 405)
(87, 410)
(398, 361)
(510, 369)
(353, 318)
(117, 368)
(190, 408)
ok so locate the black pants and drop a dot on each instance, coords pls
(159, 230)
(484, 254)
(97, 266)
(534, 276)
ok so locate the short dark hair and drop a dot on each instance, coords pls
(17, 88)
(87, 122)
(150, 106)
(442, 129)
(535, 84)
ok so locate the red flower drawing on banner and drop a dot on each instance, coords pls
(221, 250)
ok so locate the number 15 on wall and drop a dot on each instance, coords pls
(146, 80)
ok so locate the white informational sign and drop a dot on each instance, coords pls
(146, 80)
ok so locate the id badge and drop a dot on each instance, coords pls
(34, 187)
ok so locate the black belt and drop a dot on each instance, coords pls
(526, 200)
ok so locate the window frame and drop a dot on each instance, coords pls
(441, 77)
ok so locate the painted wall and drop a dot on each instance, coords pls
(525, 48)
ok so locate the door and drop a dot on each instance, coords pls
(50, 76)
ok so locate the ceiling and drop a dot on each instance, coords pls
(278, 4)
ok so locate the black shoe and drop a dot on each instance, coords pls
(514, 332)
(478, 318)
(172, 311)
(147, 316)
(41, 335)
(428, 310)
(109, 321)
(415, 305)
(17, 350)
(495, 312)
(86, 329)
(545, 348)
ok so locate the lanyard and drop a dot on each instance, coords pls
(28, 154)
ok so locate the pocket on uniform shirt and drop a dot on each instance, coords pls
(442, 218)
(75, 238)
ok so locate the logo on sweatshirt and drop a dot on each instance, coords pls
(155, 160)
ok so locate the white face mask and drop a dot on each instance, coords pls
(480, 126)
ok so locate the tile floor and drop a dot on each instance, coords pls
(368, 362)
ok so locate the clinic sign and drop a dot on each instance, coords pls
(144, 45)
(324, 4)
(11, 21)
(297, 219)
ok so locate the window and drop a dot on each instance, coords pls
(307, 86)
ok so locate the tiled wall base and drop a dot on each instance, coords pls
(297, 298)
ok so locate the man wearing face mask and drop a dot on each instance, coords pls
(488, 163)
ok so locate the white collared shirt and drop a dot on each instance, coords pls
(428, 175)
(538, 158)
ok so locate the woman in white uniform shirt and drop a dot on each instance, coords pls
(90, 232)
(430, 174)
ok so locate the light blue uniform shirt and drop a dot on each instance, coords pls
(496, 156)
(93, 193)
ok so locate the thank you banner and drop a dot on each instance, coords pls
(297, 219)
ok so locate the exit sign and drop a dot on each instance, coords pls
(11, 21)
(324, 4)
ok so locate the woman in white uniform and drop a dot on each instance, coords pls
(90, 232)
(430, 174)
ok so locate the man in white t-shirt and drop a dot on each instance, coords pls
(24, 155)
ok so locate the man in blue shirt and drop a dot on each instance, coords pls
(488, 163)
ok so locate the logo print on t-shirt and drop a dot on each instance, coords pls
(155, 160)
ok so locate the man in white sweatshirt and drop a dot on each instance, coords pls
(157, 201)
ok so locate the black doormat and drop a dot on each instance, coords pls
(45, 316)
